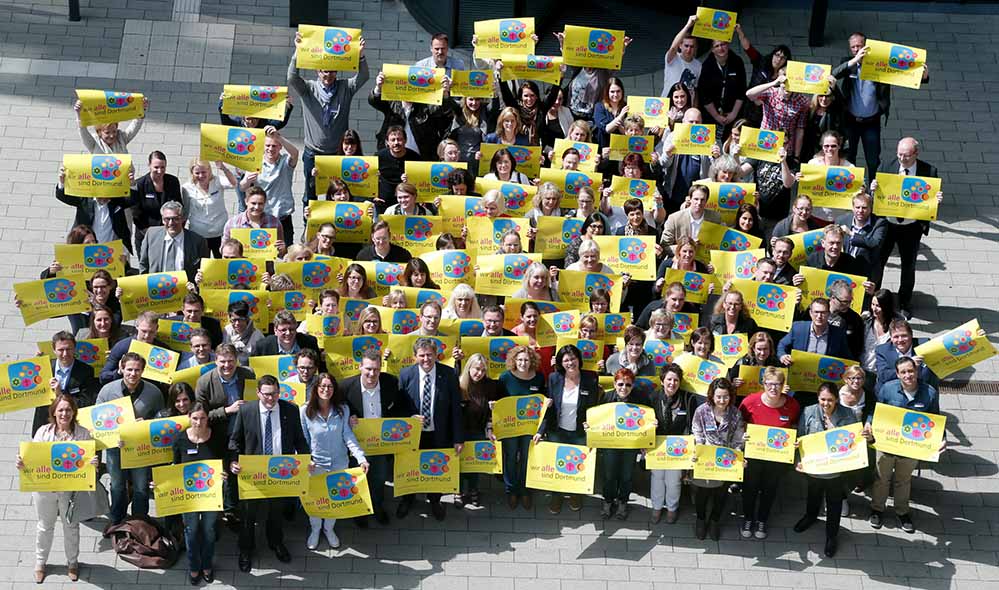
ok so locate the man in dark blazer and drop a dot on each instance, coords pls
(255, 421)
(374, 394)
(90, 211)
(147, 199)
(160, 252)
(193, 312)
(433, 390)
(864, 236)
(146, 326)
(781, 251)
(286, 338)
(70, 376)
(906, 233)
(902, 344)
(817, 336)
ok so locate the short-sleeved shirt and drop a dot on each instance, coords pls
(785, 111)
(682, 72)
(754, 411)
(276, 181)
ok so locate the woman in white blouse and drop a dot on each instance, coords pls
(204, 201)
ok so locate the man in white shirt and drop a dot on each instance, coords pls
(681, 64)
(439, 58)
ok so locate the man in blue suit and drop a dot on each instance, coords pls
(433, 389)
(816, 336)
(902, 345)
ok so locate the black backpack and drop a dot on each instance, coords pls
(142, 542)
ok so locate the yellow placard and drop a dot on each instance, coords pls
(188, 487)
(670, 453)
(388, 436)
(714, 236)
(661, 352)
(543, 68)
(462, 328)
(472, 83)
(527, 158)
(698, 373)
(176, 334)
(329, 48)
(485, 234)
(752, 378)
(834, 451)
(52, 298)
(25, 384)
(191, 375)
(430, 178)
(293, 301)
(761, 144)
(401, 351)
(89, 351)
(338, 494)
(324, 326)
(631, 255)
(97, 175)
(730, 266)
(217, 303)
(104, 420)
(908, 197)
(57, 466)
(426, 471)
(241, 147)
(273, 476)
(280, 366)
(351, 220)
(518, 415)
(576, 286)
(623, 189)
(398, 321)
(559, 324)
(891, 63)
(455, 209)
(495, 349)
(654, 110)
(150, 442)
(518, 198)
(560, 467)
(715, 24)
(694, 139)
(312, 276)
(727, 197)
(161, 292)
(956, 349)
(504, 36)
(449, 268)
(620, 425)
(770, 305)
(512, 308)
(591, 350)
(718, 463)
(593, 48)
(482, 456)
(233, 273)
(808, 78)
(684, 324)
(555, 234)
(622, 145)
(100, 107)
(809, 370)
(359, 173)
(382, 276)
(259, 243)
(731, 347)
(160, 362)
(85, 259)
(770, 443)
(289, 391)
(818, 282)
(343, 353)
(502, 274)
(831, 186)
(416, 233)
(908, 433)
(805, 244)
(264, 102)
(587, 153)
(569, 182)
(694, 283)
(418, 84)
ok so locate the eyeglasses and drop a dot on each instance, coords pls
(624, 384)
(772, 384)
(171, 219)
(325, 386)
(306, 368)
(855, 378)
(327, 236)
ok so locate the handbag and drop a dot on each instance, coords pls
(84, 506)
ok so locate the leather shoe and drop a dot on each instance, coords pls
(403, 508)
(381, 516)
(208, 576)
(244, 562)
(831, 547)
(512, 501)
(803, 524)
(527, 501)
(438, 510)
(40, 575)
(73, 572)
(361, 522)
(281, 552)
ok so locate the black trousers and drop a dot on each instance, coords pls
(759, 488)
(907, 238)
(271, 510)
(714, 495)
(831, 490)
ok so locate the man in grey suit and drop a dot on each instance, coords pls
(171, 247)
(686, 223)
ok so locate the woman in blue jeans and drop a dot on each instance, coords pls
(200, 442)
(521, 377)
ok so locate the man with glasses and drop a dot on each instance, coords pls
(256, 215)
(815, 336)
(307, 365)
(241, 333)
(833, 258)
(201, 350)
(171, 247)
(381, 248)
(841, 315)
(286, 338)
(781, 251)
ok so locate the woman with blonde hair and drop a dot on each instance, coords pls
(537, 284)
(462, 304)
(522, 377)
(508, 126)
(203, 198)
(478, 393)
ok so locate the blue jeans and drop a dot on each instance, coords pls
(867, 132)
(119, 489)
(199, 534)
(514, 468)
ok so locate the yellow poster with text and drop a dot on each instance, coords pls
(433, 471)
(587, 153)
(714, 24)
(908, 197)
(831, 186)
(818, 282)
(293, 301)
(430, 178)
(338, 494)
(417, 84)
(718, 463)
(732, 266)
(727, 197)
(555, 234)
(104, 420)
(714, 236)
(100, 176)
(25, 384)
(280, 366)
(809, 370)
(233, 273)
(761, 144)
(388, 436)
(191, 375)
(654, 110)
(188, 487)
(351, 221)
(416, 233)
(570, 182)
(343, 353)
(472, 83)
(504, 36)
(241, 147)
(85, 259)
(482, 456)
(808, 78)
(454, 210)
(770, 443)
(834, 451)
(401, 353)
(89, 351)
(150, 442)
(660, 352)
(698, 373)
(502, 274)
(527, 158)
(891, 63)
(752, 379)
(273, 476)
(259, 243)
(543, 68)
(684, 324)
(908, 433)
(770, 305)
(558, 467)
(591, 350)
(359, 173)
(217, 303)
(693, 139)
(263, 102)
(160, 292)
(620, 425)
(329, 48)
(670, 453)
(623, 189)
(494, 349)
(289, 391)
(324, 326)
(593, 48)
(576, 286)
(100, 107)
(622, 145)
(631, 255)
(57, 466)
(450, 268)
(556, 325)
(696, 284)
(805, 244)
(518, 415)
(485, 234)
(962, 347)
(731, 347)
(160, 362)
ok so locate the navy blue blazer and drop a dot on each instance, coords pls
(797, 339)
(589, 396)
(885, 356)
(448, 425)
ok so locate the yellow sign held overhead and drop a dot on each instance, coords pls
(100, 107)
(329, 48)
(263, 102)
(714, 24)
(957, 349)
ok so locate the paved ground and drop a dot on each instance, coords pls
(179, 53)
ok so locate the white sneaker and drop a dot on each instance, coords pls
(845, 510)
(332, 539)
(312, 543)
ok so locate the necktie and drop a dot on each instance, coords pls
(170, 258)
(268, 435)
(425, 400)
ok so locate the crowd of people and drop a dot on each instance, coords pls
(175, 225)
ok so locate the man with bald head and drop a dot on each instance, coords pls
(681, 170)
(906, 233)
